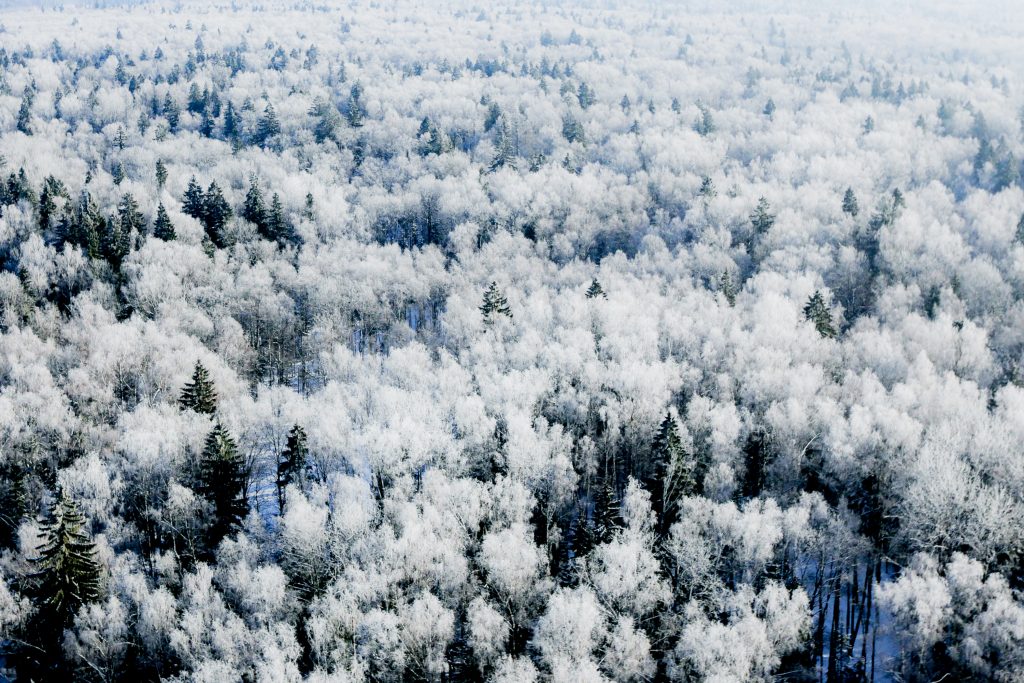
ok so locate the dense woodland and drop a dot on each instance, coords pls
(454, 341)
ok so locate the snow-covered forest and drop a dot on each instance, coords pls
(548, 341)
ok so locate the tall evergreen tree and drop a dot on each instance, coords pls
(761, 218)
(727, 287)
(129, 216)
(505, 149)
(193, 201)
(494, 304)
(24, 123)
(705, 123)
(216, 214)
(253, 209)
(595, 290)
(278, 228)
(222, 482)
(199, 394)
(817, 311)
(355, 106)
(754, 455)
(68, 575)
(230, 122)
(171, 112)
(707, 188)
(161, 174)
(672, 474)
(268, 126)
(292, 464)
(162, 226)
(850, 205)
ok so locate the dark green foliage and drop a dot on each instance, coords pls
(754, 456)
(230, 123)
(50, 202)
(278, 228)
(769, 108)
(68, 574)
(572, 129)
(129, 216)
(199, 394)
(162, 226)
(494, 304)
(817, 311)
(505, 154)
(671, 474)
(493, 114)
(327, 120)
(268, 126)
(291, 467)
(161, 174)
(850, 205)
(171, 112)
(705, 123)
(727, 287)
(253, 209)
(707, 188)
(761, 218)
(356, 112)
(13, 500)
(585, 95)
(222, 481)
(595, 290)
(215, 214)
(193, 200)
(25, 111)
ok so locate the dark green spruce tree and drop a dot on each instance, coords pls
(494, 304)
(672, 473)
(595, 290)
(162, 226)
(850, 205)
(199, 394)
(761, 218)
(67, 575)
(291, 466)
(222, 481)
(817, 311)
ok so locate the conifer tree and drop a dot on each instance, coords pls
(505, 154)
(161, 174)
(494, 304)
(222, 482)
(193, 200)
(1020, 229)
(355, 106)
(230, 122)
(672, 472)
(493, 114)
(129, 216)
(68, 574)
(754, 452)
(707, 188)
(268, 125)
(292, 464)
(277, 227)
(761, 217)
(199, 394)
(769, 108)
(25, 110)
(171, 112)
(595, 290)
(216, 213)
(850, 205)
(727, 287)
(253, 209)
(705, 123)
(816, 311)
(162, 226)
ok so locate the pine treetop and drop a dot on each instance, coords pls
(69, 573)
(199, 394)
(595, 290)
(817, 311)
(494, 304)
